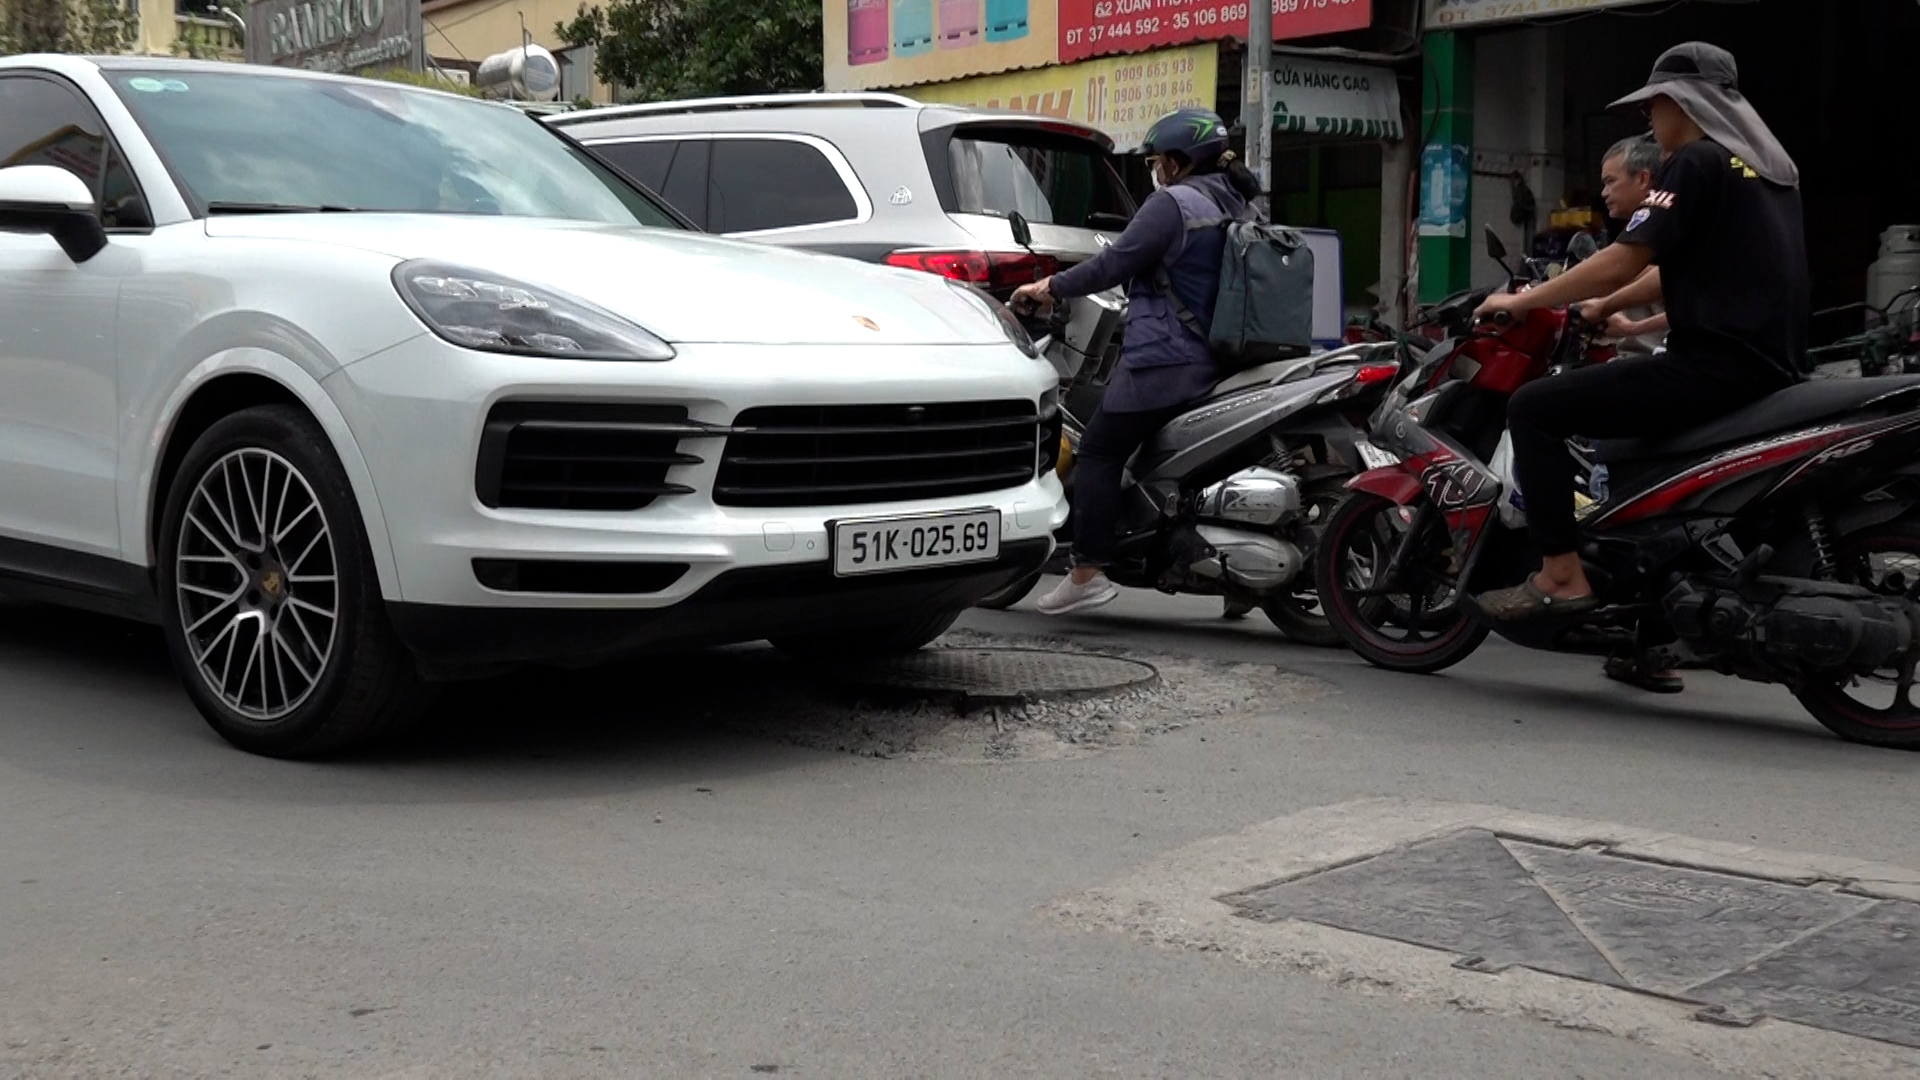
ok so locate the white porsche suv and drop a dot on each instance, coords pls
(354, 387)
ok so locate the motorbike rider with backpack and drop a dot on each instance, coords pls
(1724, 226)
(1167, 363)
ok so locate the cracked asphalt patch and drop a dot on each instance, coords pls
(1758, 962)
(818, 711)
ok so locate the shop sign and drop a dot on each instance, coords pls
(1315, 98)
(895, 43)
(335, 35)
(1451, 14)
(1121, 95)
(1104, 27)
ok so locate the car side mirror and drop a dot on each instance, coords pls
(47, 200)
(1022, 232)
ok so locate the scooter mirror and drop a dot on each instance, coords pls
(1495, 249)
(1581, 248)
(1022, 232)
(1498, 251)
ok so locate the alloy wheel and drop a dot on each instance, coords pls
(257, 584)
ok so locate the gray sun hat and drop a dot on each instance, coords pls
(1705, 82)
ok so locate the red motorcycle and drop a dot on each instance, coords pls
(1780, 543)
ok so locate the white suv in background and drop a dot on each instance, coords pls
(877, 177)
(352, 386)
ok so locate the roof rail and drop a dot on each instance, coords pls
(728, 104)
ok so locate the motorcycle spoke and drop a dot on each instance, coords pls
(1416, 605)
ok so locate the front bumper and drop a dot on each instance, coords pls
(739, 605)
(418, 412)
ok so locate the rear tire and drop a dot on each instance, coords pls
(1886, 559)
(1352, 549)
(265, 570)
(868, 643)
(1303, 620)
(1300, 614)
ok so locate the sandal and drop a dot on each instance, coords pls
(1525, 601)
(1635, 671)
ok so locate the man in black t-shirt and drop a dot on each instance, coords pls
(1723, 224)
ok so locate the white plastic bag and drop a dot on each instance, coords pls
(1513, 508)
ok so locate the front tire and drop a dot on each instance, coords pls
(1354, 549)
(269, 600)
(868, 643)
(1873, 710)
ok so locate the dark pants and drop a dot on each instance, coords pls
(1100, 466)
(1635, 398)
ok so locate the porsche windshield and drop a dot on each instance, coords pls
(241, 142)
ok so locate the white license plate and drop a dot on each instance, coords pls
(913, 543)
(1374, 457)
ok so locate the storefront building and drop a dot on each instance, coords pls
(1412, 126)
(1119, 65)
(1515, 120)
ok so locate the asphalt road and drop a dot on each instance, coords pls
(582, 876)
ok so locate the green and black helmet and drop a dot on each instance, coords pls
(1195, 136)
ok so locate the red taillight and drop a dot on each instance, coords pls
(994, 270)
(1368, 374)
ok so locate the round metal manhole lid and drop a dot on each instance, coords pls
(986, 676)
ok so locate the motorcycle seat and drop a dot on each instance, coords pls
(1264, 375)
(1798, 405)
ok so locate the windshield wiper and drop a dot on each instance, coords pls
(274, 208)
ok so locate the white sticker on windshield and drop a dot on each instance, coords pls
(146, 85)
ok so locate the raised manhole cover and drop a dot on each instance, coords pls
(992, 676)
(1744, 947)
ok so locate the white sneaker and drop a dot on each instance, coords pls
(1067, 598)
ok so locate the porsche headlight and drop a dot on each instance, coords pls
(478, 309)
(1009, 322)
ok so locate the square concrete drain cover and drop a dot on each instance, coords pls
(1743, 947)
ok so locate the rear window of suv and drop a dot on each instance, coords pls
(1049, 179)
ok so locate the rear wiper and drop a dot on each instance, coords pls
(274, 208)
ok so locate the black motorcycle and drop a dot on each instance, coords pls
(1780, 543)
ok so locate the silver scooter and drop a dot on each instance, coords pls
(1228, 498)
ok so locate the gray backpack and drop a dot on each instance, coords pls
(1264, 311)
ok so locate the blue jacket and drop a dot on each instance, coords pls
(1163, 364)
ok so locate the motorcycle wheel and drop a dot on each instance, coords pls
(1011, 595)
(1301, 617)
(1360, 538)
(1299, 614)
(1873, 710)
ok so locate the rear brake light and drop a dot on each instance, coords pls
(1368, 374)
(994, 270)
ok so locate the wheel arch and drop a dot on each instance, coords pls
(216, 388)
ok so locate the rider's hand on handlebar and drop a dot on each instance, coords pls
(1592, 312)
(1499, 308)
(1619, 326)
(1028, 299)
